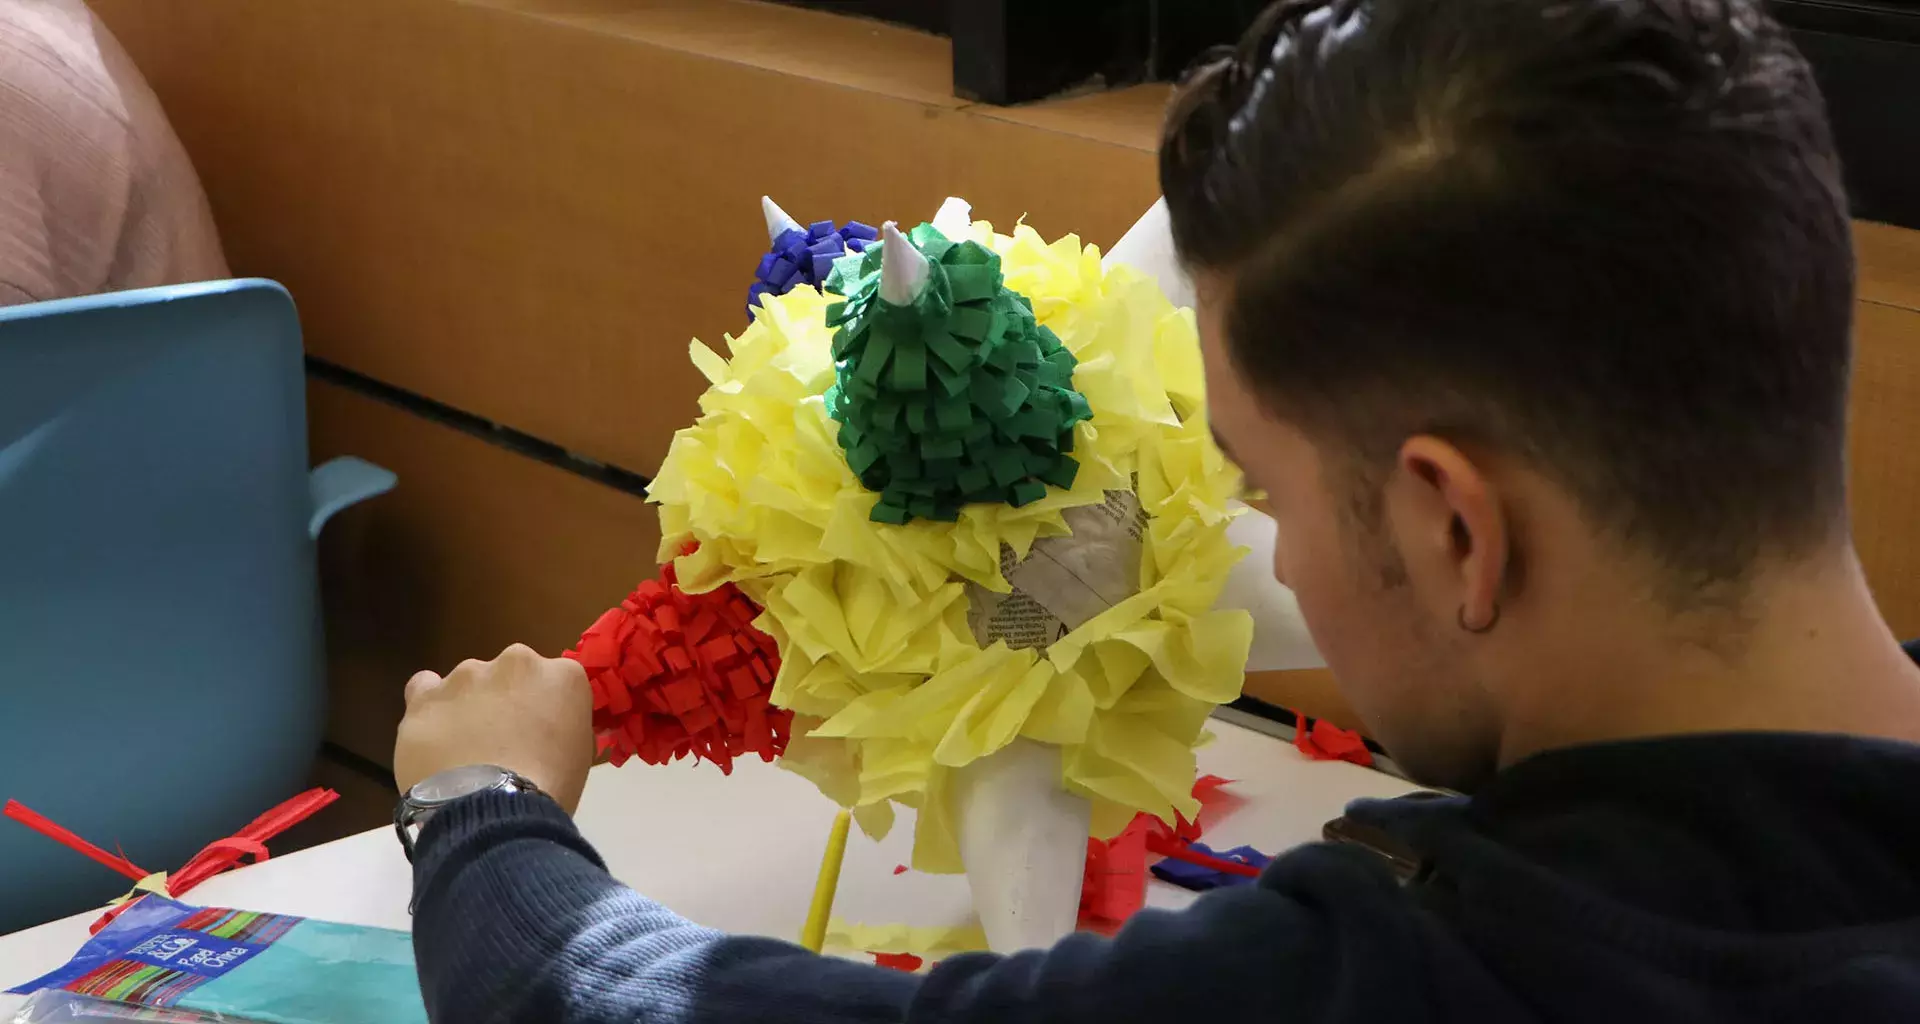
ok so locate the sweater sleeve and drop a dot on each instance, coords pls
(1326, 935)
(518, 920)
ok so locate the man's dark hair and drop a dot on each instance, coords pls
(1608, 235)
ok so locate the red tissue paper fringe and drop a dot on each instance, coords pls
(218, 856)
(898, 961)
(1325, 741)
(1115, 885)
(675, 674)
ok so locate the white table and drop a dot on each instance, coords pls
(740, 853)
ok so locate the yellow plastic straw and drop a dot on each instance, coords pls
(815, 935)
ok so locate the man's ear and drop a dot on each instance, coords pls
(1451, 528)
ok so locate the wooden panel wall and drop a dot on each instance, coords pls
(476, 549)
(525, 209)
(1884, 441)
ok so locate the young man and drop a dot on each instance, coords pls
(1531, 317)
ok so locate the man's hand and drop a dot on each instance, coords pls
(523, 712)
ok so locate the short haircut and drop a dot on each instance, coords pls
(1607, 235)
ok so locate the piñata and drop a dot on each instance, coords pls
(973, 489)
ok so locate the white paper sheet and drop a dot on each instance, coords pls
(1280, 637)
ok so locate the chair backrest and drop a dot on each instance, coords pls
(159, 660)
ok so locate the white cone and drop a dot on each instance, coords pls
(903, 268)
(955, 218)
(778, 223)
(1280, 637)
(1023, 840)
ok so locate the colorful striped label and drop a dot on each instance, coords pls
(239, 925)
(134, 981)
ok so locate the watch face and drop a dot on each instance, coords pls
(455, 783)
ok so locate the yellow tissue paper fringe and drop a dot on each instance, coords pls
(891, 691)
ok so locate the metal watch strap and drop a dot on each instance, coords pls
(411, 813)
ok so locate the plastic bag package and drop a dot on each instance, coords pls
(237, 965)
(52, 1006)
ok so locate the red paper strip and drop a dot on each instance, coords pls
(1324, 741)
(218, 856)
(677, 674)
(1180, 850)
(1206, 789)
(226, 854)
(42, 824)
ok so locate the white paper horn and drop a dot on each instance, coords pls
(1023, 840)
(955, 217)
(778, 223)
(1148, 247)
(903, 268)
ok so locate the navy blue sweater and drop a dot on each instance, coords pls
(1706, 878)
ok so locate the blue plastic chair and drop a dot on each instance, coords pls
(161, 676)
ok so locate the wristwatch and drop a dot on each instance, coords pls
(430, 794)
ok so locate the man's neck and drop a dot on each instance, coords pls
(1809, 653)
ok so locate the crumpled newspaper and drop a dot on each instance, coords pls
(1064, 581)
